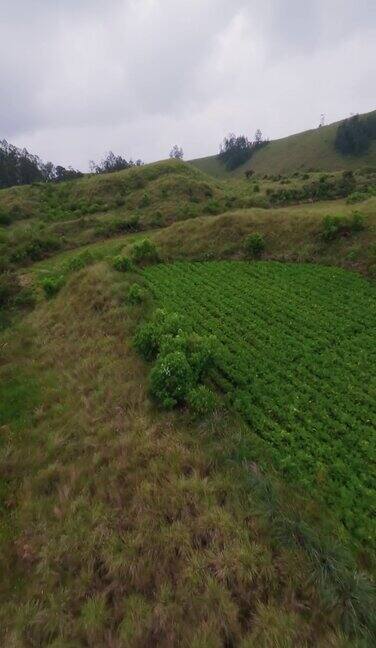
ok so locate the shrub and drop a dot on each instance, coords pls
(144, 251)
(145, 200)
(189, 356)
(254, 244)
(80, 261)
(212, 207)
(171, 379)
(157, 219)
(52, 285)
(147, 341)
(256, 188)
(122, 263)
(357, 196)
(335, 226)
(201, 400)
(136, 294)
(5, 219)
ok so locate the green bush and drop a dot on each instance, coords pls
(336, 226)
(145, 200)
(143, 251)
(254, 245)
(201, 400)
(212, 207)
(5, 219)
(80, 261)
(52, 285)
(171, 379)
(122, 263)
(167, 337)
(136, 294)
(147, 341)
(357, 196)
(157, 219)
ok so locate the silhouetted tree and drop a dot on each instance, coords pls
(235, 150)
(18, 167)
(176, 152)
(113, 163)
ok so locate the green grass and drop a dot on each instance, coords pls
(297, 359)
(312, 149)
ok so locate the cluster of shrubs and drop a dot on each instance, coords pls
(334, 227)
(360, 196)
(142, 252)
(326, 188)
(32, 246)
(52, 284)
(182, 360)
(115, 226)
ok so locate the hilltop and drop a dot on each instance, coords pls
(311, 150)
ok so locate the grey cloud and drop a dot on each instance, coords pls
(81, 76)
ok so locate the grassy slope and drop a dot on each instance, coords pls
(310, 149)
(123, 526)
(291, 234)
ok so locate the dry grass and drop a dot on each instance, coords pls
(291, 234)
(124, 526)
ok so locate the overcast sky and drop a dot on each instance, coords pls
(80, 77)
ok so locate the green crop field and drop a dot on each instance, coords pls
(297, 357)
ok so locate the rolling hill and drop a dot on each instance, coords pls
(187, 379)
(310, 150)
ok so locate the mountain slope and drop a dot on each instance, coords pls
(312, 149)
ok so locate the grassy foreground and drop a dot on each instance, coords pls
(124, 526)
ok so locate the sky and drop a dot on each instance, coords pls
(81, 77)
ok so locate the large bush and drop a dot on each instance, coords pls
(183, 359)
(171, 379)
(144, 251)
(254, 245)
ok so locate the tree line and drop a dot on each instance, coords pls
(18, 167)
(236, 150)
(354, 135)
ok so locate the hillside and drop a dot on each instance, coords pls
(187, 379)
(310, 150)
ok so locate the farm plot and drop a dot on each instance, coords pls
(297, 357)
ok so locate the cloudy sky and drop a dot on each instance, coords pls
(80, 77)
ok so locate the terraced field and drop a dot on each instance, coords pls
(297, 358)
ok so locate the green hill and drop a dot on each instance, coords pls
(312, 149)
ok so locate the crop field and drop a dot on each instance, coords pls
(297, 358)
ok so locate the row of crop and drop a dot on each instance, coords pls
(314, 409)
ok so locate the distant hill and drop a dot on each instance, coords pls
(312, 149)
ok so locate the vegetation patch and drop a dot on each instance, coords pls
(296, 359)
(182, 361)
